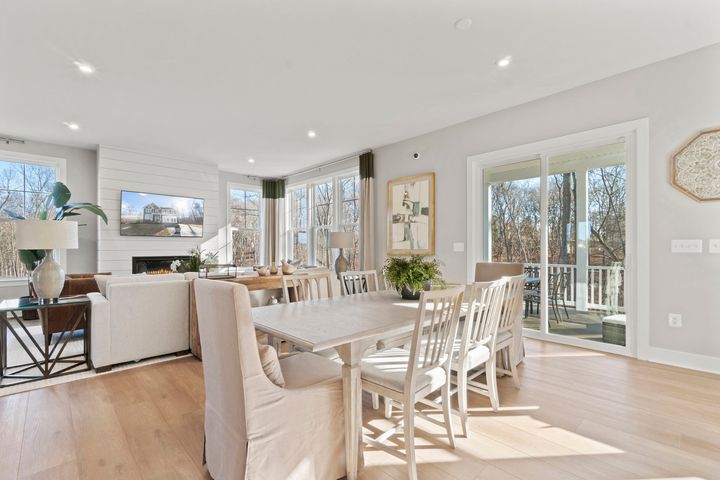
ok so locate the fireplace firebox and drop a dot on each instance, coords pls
(150, 265)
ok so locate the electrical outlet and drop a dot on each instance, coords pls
(686, 246)
(675, 320)
(714, 245)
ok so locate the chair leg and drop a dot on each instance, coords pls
(388, 407)
(375, 401)
(565, 308)
(462, 399)
(513, 364)
(447, 406)
(491, 374)
(409, 436)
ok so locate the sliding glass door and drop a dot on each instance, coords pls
(563, 215)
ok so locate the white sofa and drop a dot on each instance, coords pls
(137, 317)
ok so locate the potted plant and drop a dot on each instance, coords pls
(198, 258)
(410, 276)
(57, 207)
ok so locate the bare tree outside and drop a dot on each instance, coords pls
(245, 225)
(23, 189)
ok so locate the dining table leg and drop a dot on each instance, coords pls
(351, 354)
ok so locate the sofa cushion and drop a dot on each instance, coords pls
(103, 281)
(271, 365)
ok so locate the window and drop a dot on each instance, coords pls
(318, 208)
(244, 218)
(24, 187)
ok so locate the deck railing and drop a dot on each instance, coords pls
(604, 285)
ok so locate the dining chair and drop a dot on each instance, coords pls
(474, 351)
(407, 376)
(509, 332)
(255, 429)
(359, 282)
(300, 287)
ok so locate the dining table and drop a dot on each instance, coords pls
(350, 324)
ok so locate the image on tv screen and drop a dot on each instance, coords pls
(153, 215)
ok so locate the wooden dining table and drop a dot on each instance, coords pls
(350, 325)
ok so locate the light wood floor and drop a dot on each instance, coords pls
(579, 415)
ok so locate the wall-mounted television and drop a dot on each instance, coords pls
(154, 215)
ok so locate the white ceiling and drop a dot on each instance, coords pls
(222, 81)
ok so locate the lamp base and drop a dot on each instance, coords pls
(48, 278)
(341, 264)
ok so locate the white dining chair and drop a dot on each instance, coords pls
(255, 429)
(408, 376)
(355, 282)
(474, 351)
(305, 286)
(509, 333)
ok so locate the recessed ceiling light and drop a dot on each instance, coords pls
(463, 24)
(72, 125)
(251, 160)
(504, 62)
(85, 68)
(312, 134)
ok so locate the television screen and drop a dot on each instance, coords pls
(153, 215)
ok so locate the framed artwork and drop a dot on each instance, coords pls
(411, 215)
(696, 167)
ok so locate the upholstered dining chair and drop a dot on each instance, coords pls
(475, 350)
(408, 376)
(508, 328)
(255, 429)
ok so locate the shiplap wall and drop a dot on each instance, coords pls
(120, 169)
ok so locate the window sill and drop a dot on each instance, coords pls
(13, 282)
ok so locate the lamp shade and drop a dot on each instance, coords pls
(341, 239)
(45, 234)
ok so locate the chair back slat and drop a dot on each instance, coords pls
(359, 282)
(484, 312)
(512, 303)
(307, 286)
(435, 330)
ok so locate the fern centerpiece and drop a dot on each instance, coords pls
(410, 276)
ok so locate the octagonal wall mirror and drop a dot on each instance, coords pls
(696, 167)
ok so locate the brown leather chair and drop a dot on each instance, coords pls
(75, 284)
(490, 271)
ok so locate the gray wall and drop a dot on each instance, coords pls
(82, 182)
(680, 96)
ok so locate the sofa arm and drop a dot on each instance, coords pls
(100, 343)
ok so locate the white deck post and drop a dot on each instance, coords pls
(583, 241)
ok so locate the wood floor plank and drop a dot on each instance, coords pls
(579, 415)
(13, 410)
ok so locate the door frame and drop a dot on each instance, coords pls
(637, 259)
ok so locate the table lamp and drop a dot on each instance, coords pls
(341, 240)
(48, 278)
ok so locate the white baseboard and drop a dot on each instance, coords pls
(676, 358)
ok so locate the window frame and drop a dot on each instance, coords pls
(312, 228)
(60, 166)
(247, 187)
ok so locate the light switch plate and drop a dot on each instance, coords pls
(714, 245)
(686, 246)
(675, 320)
(458, 247)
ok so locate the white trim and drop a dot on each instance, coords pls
(577, 342)
(636, 135)
(680, 359)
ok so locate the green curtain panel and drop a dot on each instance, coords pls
(367, 165)
(273, 189)
(367, 211)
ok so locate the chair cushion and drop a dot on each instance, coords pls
(305, 369)
(271, 365)
(389, 367)
(477, 355)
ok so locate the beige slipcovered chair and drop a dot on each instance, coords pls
(253, 428)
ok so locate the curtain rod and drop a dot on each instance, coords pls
(328, 164)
